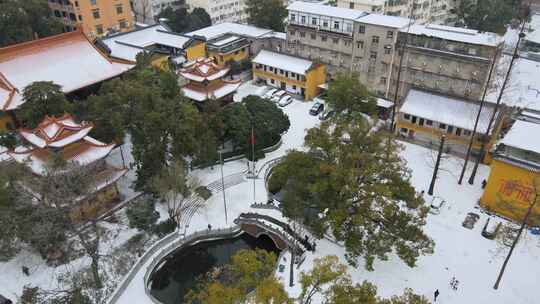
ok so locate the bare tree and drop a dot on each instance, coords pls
(175, 185)
(535, 197)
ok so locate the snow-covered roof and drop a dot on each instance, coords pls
(385, 20)
(325, 10)
(56, 132)
(203, 69)
(85, 152)
(455, 34)
(128, 45)
(196, 94)
(523, 135)
(444, 109)
(4, 156)
(384, 103)
(220, 29)
(534, 25)
(226, 39)
(69, 60)
(284, 62)
(278, 35)
(523, 88)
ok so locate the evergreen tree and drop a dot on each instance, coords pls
(269, 14)
(347, 96)
(488, 15)
(142, 214)
(22, 21)
(40, 99)
(355, 184)
(181, 20)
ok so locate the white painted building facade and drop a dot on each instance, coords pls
(146, 11)
(222, 10)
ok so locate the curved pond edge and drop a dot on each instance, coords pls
(164, 247)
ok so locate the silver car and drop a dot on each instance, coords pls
(285, 101)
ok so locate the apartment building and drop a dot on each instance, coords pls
(422, 11)
(346, 39)
(146, 11)
(444, 59)
(449, 60)
(222, 10)
(95, 17)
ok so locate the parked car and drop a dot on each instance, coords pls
(316, 109)
(269, 94)
(326, 114)
(436, 205)
(470, 220)
(278, 95)
(285, 101)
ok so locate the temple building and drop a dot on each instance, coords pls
(206, 80)
(65, 138)
(514, 181)
(70, 60)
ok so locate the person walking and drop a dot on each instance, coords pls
(436, 294)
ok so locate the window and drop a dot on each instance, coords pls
(293, 17)
(325, 23)
(314, 21)
(271, 69)
(57, 13)
(292, 32)
(313, 36)
(302, 34)
(336, 25)
(294, 87)
(360, 44)
(349, 27)
(99, 29)
(80, 17)
(458, 131)
(467, 132)
(361, 29)
(442, 126)
(72, 17)
(389, 35)
(93, 2)
(323, 38)
(407, 116)
(64, 14)
(429, 122)
(303, 18)
(388, 49)
(373, 55)
(119, 9)
(335, 40)
(124, 24)
(271, 81)
(95, 13)
(450, 129)
(375, 39)
(351, 5)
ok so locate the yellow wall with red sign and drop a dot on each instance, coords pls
(509, 191)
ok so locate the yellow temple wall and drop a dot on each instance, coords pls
(509, 191)
(196, 51)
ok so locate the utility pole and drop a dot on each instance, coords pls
(437, 163)
(471, 140)
(223, 186)
(514, 243)
(396, 92)
(496, 109)
(253, 156)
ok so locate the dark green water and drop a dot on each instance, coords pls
(178, 275)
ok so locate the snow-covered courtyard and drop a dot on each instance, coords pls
(459, 252)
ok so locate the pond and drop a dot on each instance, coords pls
(177, 276)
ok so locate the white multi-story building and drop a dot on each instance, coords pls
(422, 11)
(222, 10)
(146, 11)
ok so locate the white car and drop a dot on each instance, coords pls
(285, 101)
(269, 94)
(278, 95)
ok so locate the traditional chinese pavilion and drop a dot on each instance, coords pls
(64, 137)
(207, 81)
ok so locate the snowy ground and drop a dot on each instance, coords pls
(459, 252)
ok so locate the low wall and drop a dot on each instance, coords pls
(161, 249)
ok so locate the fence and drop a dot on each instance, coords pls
(163, 248)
